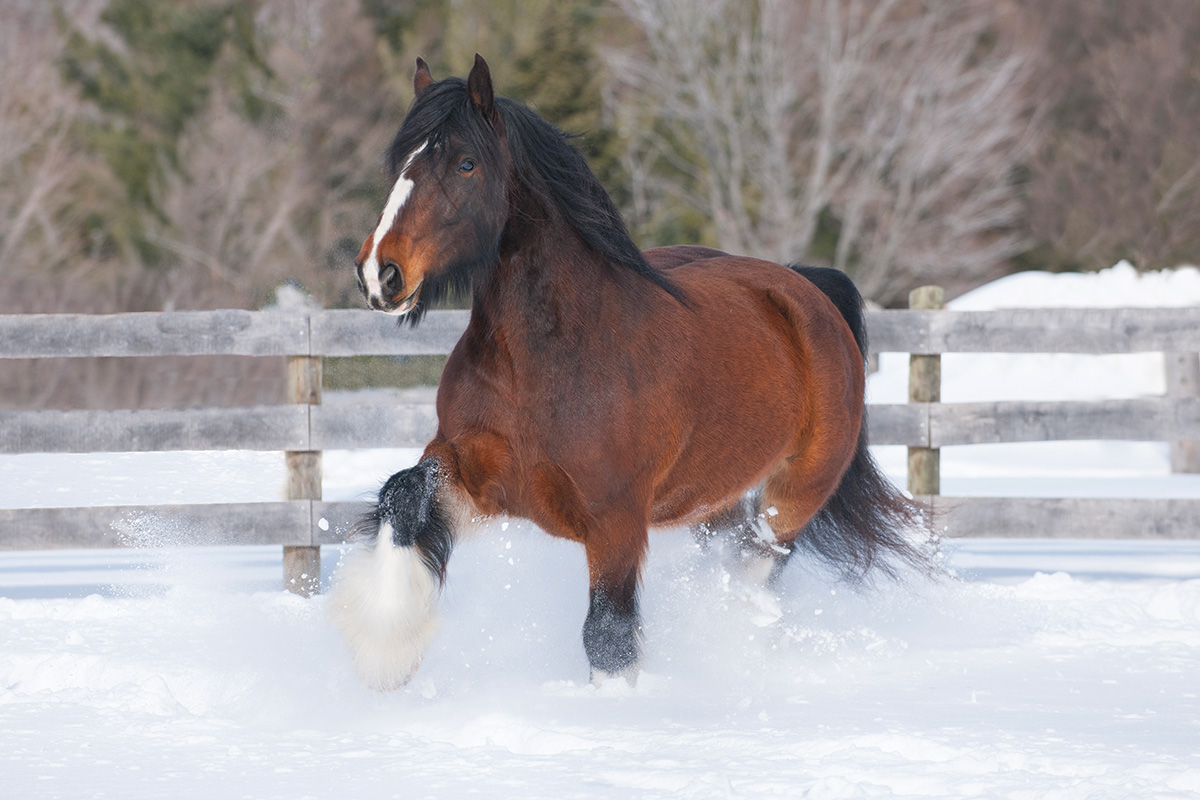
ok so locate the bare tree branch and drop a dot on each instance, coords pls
(893, 117)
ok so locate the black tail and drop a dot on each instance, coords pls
(863, 524)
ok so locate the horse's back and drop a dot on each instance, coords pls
(819, 303)
(679, 254)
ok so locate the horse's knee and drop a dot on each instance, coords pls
(416, 506)
(612, 631)
(384, 595)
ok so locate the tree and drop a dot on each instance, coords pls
(256, 164)
(40, 161)
(150, 88)
(287, 194)
(1118, 174)
(882, 138)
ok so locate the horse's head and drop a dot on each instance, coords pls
(448, 205)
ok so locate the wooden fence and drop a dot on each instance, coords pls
(304, 428)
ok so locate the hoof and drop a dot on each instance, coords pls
(629, 675)
(383, 601)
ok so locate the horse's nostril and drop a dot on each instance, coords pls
(390, 279)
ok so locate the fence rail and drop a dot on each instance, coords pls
(349, 426)
(282, 427)
(1091, 331)
(306, 427)
(312, 523)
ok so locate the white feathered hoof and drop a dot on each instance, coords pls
(383, 601)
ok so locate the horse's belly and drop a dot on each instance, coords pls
(736, 442)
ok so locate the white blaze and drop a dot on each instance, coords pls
(384, 601)
(391, 211)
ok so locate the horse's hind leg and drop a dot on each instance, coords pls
(758, 557)
(792, 497)
(384, 595)
(727, 523)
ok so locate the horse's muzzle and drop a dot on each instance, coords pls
(395, 304)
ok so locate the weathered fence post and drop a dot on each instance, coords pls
(302, 564)
(1183, 380)
(925, 386)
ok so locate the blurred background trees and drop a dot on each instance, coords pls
(199, 153)
(877, 136)
(1116, 173)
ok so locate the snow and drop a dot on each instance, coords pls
(1042, 669)
(196, 678)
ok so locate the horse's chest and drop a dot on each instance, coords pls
(548, 400)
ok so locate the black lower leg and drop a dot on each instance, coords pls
(408, 505)
(780, 561)
(755, 551)
(732, 524)
(612, 632)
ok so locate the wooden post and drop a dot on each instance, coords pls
(302, 564)
(1183, 380)
(925, 386)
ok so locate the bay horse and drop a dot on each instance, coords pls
(598, 390)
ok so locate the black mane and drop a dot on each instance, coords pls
(441, 108)
(551, 169)
(548, 167)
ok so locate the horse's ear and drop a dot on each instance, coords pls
(479, 87)
(422, 78)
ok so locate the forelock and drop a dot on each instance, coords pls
(441, 111)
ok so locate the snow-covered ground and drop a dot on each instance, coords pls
(1041, 669)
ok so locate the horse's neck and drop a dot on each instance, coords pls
(548, 280)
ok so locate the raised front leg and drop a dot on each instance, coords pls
(384, 597)
(613, 629)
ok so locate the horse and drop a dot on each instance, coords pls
(598, 390)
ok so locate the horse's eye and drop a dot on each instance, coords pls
(466, 166)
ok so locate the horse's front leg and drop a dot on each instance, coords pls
(613, 629)
(384, 597)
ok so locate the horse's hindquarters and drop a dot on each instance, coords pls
(769, 384)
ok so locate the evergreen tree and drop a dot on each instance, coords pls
(148, 89)
(561, 78)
